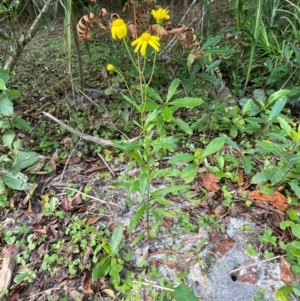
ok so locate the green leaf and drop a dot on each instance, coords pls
(4, 74)
(184, 126)
(187, 102)
(172, 189)
(102, 268)
(20, 277)
(116, 240)
(275, 96)
(166, 213)
(282, 295)
(2, 84)
(6, 105)
(295, 252)
(232, 143)
(286, 224)
(181, 158)
(273, 148)
(213, 65)
(17, 181)
(143, 180)
(214, 146)
(211, 78)
(24, 160)
(225, 51)
(247, 164)
(190, 61)
(21, 124)
(285, 126)
(189, 173)
(151, 117)
(134, 154)
(152, 93)
(172, 88)
(277, 108)
(183, 293)
(278, 173)
(260, 177)
(296, 230)
(132, 102)
(211, 41)
(136, 217)
(169, 143)
(150, 105)
(8, 138)
(161, 200)
(295, 187)
(167, 114)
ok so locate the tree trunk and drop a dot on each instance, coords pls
(22, 41)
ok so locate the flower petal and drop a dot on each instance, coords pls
(154, 45)
(143, 48)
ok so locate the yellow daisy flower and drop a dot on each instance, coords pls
(110, 67)
(160, 15)
(118, 29)
(142, 42)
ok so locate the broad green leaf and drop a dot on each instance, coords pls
(284, 125)
(189, 173)
(24, 160)
(172, 88)
(136, 217)
(170, 171)
(232, 143)
(214, 146)
(181, 158)
(150, 105)
(295, 252)
(211, 78)
(295, 187)
(20, 277)
(169, 143)
(213, 65)
(187, 102)
(4, 74)
(183, 293)
(2, 84)
(211, 41)
(167, 114)
(277, 108)
(165, 213)
(6, 105)
(17, 181)
(225, 51)
(143, 180)
(260, 177)
(172, 189)
(272, 148)
(21, 124)
(247, 164)
(116, 240)
(8, 138)
(184, 126)
(102, 268)
(275, 96)
(296, 230)
(286, 224)
(281, 295)
(151, 117)
(11, 94)
(278, 173)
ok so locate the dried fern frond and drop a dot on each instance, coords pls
(84, 26)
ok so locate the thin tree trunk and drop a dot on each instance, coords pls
(22, 41)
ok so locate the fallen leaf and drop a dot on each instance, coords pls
(95, 168)
(8, 266)
(66, 203)
(93, 219)
(87, 281)
(99, 285)
(15, 292)
(250, 276)
(209, 182)
(69, 161)
(286, 275)
(226, 245)
(219, 211)
(277, 199)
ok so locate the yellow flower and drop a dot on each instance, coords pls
(118, 29)
(160, 14)
(142, 42)
(110, 67)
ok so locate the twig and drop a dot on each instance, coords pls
(253, 264)
(154, 285)
(289, 2)
(85, 136)
(111, 171)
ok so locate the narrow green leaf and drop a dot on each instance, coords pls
(211, 78)
(187, 102)
(296, 230)
(211, 41)
(102, 268)
(143, 181)
(213, 65)
(285, 126)
(183, 293)
(277, 108)
(161, 200)
(189, 173)
(132, 102)
(272, 148)
(214, 146)
(278, 173)
(116, 239)
(150, 105)
(21, 124)
(152, 93)
(184, 126)
(232, 143)
(136, 217)
(165, 213)
(225, 51)
(295, 187)
(134, 154)
(172, 88)
(275, 96)
(181, 158)
(172, 189)
(247, 164)
(167, 114)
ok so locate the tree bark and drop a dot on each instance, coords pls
(22, 41)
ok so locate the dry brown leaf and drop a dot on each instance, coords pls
(250, 276)
(87, 281)
(286, 275)
(95, 168)
(69, 161)
(93, 219)
(209, 182)
(66, 203)
(14, 294)
(8, 266)
(277, 199)
(226, 245)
